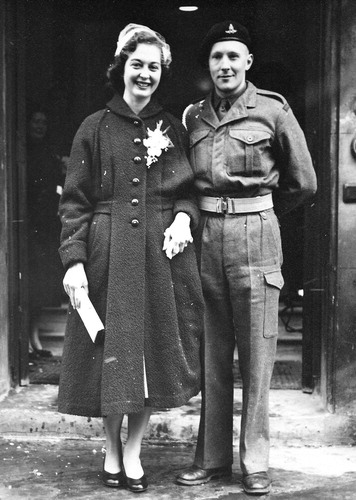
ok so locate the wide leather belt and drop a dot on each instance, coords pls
(230, 206)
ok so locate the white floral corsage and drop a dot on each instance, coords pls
(156, 142)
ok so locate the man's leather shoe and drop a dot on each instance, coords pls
(256, 484)
(195, 475)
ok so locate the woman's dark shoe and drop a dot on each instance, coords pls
(113, 480)
(137, 485)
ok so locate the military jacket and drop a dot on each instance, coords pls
(256, 149)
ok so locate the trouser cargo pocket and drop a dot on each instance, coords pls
(273, 281)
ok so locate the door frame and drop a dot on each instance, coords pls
(14, 166)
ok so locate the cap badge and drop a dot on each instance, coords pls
(231, 30)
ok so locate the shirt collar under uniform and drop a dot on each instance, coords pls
(236, 112)
(216, 100)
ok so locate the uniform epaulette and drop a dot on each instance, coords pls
(199, 100)
(276, 96)
(188, 108)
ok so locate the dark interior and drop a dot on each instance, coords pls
(69, 45)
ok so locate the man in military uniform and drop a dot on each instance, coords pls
(251, 164)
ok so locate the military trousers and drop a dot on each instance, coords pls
(240, 258)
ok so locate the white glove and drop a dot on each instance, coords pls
(74, 279)
(177, 235)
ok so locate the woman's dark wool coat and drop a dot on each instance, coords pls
(152, 307)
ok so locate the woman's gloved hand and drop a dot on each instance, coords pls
(74, 279)
(177, 235)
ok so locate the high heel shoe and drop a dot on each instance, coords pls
(113, 480)
(137, 485)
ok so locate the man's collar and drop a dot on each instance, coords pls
(216, 99)
(237, 111)
(249, 96)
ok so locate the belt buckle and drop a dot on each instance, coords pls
(222, 205)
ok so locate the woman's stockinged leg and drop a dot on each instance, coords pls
(136, 427)
(113, 456)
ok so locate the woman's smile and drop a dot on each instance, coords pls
(143, 85)
(142, 74)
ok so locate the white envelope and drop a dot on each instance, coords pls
(89, 316)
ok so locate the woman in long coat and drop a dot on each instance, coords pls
(126, 213)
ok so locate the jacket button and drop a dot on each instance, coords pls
(136, 181)
(136, 123)
(137, 159)
(249, 138)
(134, 202)
(134, 223)
(137, 141)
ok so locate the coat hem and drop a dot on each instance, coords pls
(125, 407)
(173, 401)
(78, 411)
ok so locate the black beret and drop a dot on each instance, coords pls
(227, 30)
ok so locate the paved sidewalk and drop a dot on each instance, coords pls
(58, 469)
(47, 455)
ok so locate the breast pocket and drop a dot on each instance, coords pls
(201, 146)
(248, 152)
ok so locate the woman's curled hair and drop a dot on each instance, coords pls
(115, 71)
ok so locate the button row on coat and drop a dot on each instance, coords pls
(136, 181)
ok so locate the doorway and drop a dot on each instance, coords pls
(67, 55)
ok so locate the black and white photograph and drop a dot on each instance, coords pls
(178, 249)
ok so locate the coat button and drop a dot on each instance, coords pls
(136, 123)
(137, 141)
(134, 223)
(249, 138)
(136, 181)
(134, 202)
(137, 159)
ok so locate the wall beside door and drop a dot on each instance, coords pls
(344, 345)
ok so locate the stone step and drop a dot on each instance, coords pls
(295, 419)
